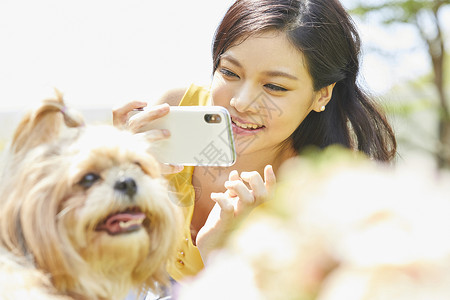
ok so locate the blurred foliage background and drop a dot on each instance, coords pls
(419, 108)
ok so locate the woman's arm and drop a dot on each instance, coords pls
(172, 97)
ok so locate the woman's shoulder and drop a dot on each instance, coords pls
(193, 95)
(172, 97)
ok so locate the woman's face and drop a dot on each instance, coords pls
(264, 84)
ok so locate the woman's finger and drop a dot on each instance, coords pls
(154, 135)
(120, 114)
(270, 179)
(256, 184)
(171, 169)
(237, 188)
(234, 175)
(137, 122)
(226, 205)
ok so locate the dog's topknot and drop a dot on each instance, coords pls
(44, 124)
(72, 118)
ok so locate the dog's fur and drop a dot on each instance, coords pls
(60, 183)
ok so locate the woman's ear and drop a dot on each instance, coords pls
(323, 96)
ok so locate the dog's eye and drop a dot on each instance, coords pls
(88, 180)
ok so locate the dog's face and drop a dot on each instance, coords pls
(92, 208)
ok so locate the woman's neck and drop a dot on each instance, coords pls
(258, 160)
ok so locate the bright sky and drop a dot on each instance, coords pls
(106, 52)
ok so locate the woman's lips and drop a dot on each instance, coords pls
(242, 127)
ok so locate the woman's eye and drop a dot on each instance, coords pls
(275, 88)
(88, 180)
(227, 73)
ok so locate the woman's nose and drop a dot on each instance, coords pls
(246, 100)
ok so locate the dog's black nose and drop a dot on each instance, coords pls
(126, 185)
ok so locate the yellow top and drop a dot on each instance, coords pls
(188, 261)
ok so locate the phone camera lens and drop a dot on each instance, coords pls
(213, 118)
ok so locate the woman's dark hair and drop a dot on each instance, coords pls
(324, 32)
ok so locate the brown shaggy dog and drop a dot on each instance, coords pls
(84, 210)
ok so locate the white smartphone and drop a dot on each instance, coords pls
(199, 136)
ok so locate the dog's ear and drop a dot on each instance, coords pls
(44, 123)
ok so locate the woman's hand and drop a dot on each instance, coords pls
(243, 194)
(137, 122)
(120, 114)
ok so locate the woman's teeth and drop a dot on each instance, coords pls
(246, 126)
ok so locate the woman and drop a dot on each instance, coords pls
(286, 71)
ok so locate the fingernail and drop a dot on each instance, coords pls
(215, 195)
(162, 107)
(244, 174)
(165, 132)
(178, 168)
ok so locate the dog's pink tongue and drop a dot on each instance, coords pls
(123, 222)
